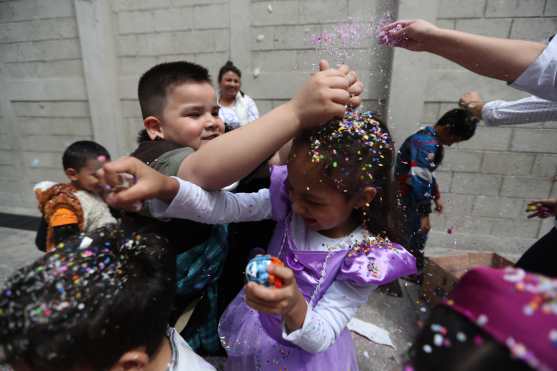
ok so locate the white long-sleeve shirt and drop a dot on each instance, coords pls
(324, 322)
(540, 77)
(522, 111)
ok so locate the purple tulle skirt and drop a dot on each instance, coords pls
(253, 342)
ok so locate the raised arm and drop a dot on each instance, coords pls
(500, 112)
(232, 156)
(503, 59)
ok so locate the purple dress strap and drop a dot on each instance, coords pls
(376, 263)
(280, 201)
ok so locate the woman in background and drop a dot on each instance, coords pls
(237, 108)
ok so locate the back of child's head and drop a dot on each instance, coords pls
(449, 341)
(229, 67)
(494, 319)
(78, 153)
(352, 154)
(87, 302)
(461, 123)
(155, 84)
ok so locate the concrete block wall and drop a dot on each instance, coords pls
(280, 47)
(276, 42)
(488, 181)
(150, 32)
(43, 103)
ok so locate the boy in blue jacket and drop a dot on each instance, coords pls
(419, 156)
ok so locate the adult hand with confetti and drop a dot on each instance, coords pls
(498, 58)
(286, 301)
(409, 34)
(542, 208)
(148, 184)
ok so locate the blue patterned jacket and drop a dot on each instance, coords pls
(418, 157)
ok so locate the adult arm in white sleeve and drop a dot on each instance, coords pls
(540, 77)
(324, 323)
(522, 111)
(194, 203)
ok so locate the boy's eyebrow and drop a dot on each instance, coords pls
(192, 106)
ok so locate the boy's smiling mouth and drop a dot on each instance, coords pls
(209, 137)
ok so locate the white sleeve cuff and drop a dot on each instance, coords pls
(304, 337)
(194, 203)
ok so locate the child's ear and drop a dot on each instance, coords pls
(153, 127)
(366, 196)
(71, 173)
(133, 360)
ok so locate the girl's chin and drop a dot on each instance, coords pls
(312, 224)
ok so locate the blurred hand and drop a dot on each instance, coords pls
(438, 205)
(542, 208)
(148, 183)
(472, 102)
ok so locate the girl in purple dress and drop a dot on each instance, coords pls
(331, 204)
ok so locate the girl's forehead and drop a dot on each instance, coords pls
(305, 176)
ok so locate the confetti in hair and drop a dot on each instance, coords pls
(357, 140)
(69, 286)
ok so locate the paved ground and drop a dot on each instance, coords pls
(17, 248)
(396, 314)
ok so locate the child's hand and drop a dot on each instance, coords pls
(438, 205)
(425, 225)
(148, 183)
(325, 95)
(287, 301)
(412, 35)
(542, 208)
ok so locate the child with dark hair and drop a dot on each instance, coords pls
(332, 235)
(495, 319)
(180, 115)
(100, 301)
(418, 157)
(69, 209)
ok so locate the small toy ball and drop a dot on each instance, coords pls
(257, 271)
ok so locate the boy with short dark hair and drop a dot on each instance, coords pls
(99, 302)
(71, 208)
(419, 156)
(180, 114)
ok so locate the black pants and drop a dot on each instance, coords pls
(542, 256)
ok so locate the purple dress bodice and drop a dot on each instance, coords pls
(370, 262)
(373, 261)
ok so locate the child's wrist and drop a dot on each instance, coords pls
(169, 189)
(295, 317)
(294, 113)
